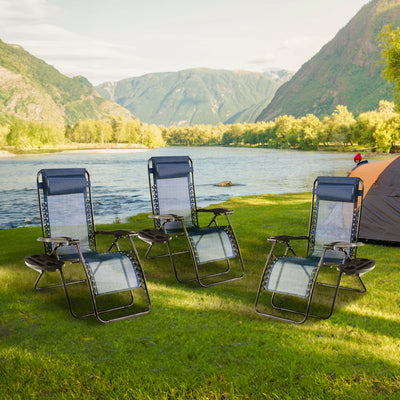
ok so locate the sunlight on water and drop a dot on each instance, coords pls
(120, 183)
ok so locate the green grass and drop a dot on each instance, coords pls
(201, 343)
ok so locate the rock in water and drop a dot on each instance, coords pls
(224, 183)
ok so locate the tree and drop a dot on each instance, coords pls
(340, 126)
(117, 124)
(387, 129)
(310, 128)
(132, 130)
(152, 136)
(284, 126)
(389, 39)
(104, 132)
(33, 134)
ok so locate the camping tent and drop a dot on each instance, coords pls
(380, 218)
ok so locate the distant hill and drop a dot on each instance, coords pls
(33, 90)
(346, 71)
(195, 96)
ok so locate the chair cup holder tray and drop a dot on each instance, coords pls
(357, 266)
(43, 262)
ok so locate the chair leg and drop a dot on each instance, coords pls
(64, 284)
(35, 286)
(363, 290)
(96, 313)
(308, 313)
(305, 314)
(198, 278)
(37, 281)
(171, 255)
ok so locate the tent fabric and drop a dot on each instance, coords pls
(380, 219)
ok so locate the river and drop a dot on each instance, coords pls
(120, 182)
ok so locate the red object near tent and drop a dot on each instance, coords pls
(380, 218)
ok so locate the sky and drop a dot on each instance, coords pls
(110, 40)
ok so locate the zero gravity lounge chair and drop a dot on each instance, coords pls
(289, 283)
(175, 213)
(69, 236)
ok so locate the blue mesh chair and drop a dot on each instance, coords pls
(289, 281)
(175, 213)
(69, 236)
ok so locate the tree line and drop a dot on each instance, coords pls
(378, 130)
(22, 134)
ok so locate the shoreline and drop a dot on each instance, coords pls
(105, 151)
(132, 148)
(6, 154)
(9, 154)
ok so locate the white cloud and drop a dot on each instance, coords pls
(266, 59)
(22, 10)
(289, 53)
(70, 52)
(304, 42)
(104, 40)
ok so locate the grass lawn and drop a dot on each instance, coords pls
(201, 343)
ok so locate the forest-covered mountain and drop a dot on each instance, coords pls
(195, 96)
(33, 90)
(346, 71)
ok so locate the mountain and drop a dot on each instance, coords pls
(195, 96)
(33, 90)
(346, 71)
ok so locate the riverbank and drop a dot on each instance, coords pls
(7, 152)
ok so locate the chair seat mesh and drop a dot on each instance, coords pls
(67, 216)
(211, 244)
(174, 198)
(111, 272)
(292, 276)
(334, 223)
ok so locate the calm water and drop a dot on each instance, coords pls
(120, 183)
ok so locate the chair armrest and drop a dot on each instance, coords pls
(216, 211)
(286, 238)
(167, 217)
(60, 240)
(119, 233)
(342, 245)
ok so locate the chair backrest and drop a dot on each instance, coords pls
(172, 189)
(66, 208)
(335, 215)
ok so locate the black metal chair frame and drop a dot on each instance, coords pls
(50, 262)
(351, 265)
(160, 221)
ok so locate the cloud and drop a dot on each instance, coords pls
(267, 59)
(289, 53)
(22, 10)
(82, 37)
(302, 42)
(23, 23)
